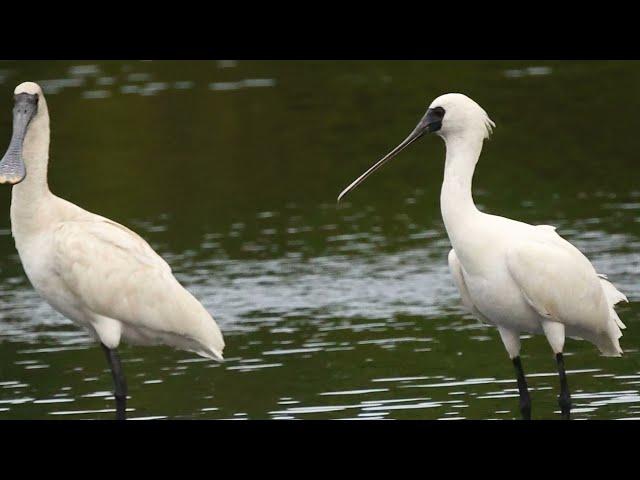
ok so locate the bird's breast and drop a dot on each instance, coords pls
(497, 297)
(38, 261)
(492, 289)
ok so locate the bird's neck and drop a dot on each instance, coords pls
(456, 201)
(27, 196)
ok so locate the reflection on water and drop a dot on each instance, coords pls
(232, 169)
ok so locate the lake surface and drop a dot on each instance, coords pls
(230, 169)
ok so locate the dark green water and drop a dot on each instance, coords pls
(231, 169)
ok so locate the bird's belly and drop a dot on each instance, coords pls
(500, 300)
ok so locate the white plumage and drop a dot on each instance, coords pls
(531, 277)
(96, 272)
(518, 277)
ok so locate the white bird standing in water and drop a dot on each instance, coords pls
(516, 276)
(99, 274)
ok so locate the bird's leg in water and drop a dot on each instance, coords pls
(525, 400)
(564, 400)
(119, 382)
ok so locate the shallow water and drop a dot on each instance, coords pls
(231, 169)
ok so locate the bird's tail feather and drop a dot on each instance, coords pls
(613, 296)
(212, 353)
(608, 342)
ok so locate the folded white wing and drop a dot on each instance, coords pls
(114, 273)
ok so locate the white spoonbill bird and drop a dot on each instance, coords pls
(516, 276)
(96, 272)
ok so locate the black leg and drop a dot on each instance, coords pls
(564, 400)
(525, 400)
(119, 382)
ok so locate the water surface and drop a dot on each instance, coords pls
(230, 170)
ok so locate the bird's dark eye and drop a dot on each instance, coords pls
(31, 98)
(438, 111)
